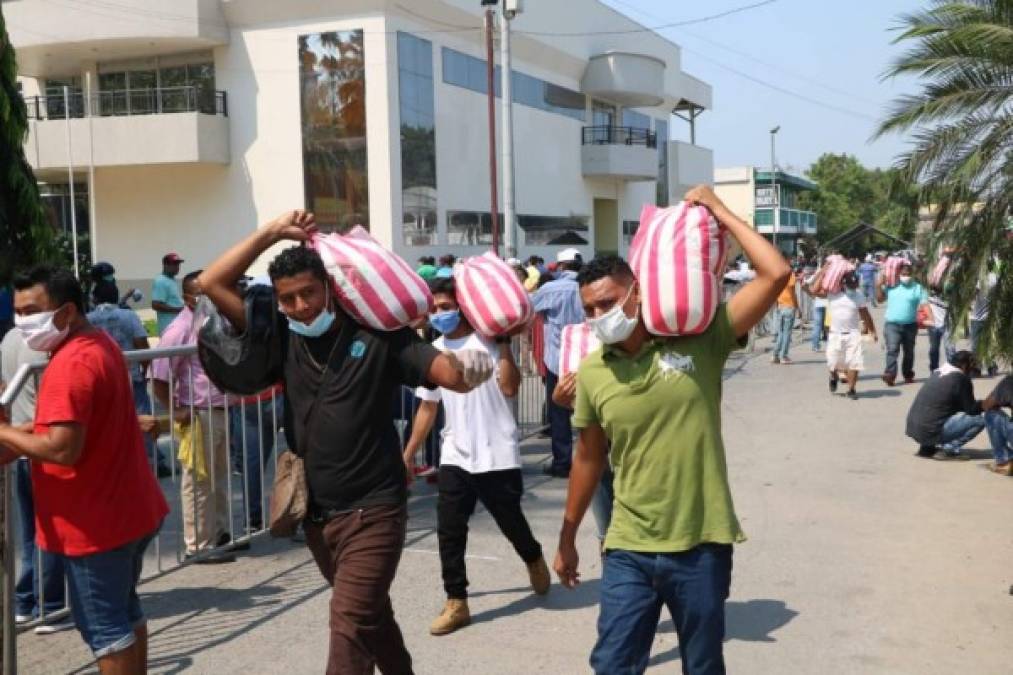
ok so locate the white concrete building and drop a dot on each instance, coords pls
(192, 122)
(769, 204)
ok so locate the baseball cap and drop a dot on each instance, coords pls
(171, 258)
(568, 255)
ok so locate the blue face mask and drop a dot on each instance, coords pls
(316, 328)
(445, 322)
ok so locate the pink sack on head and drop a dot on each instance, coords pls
(373, 285)
(939, 271)
(891, 270)
(576, 341)
(678, 255)
(833, 278)
(491, 296)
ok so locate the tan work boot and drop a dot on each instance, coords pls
(538, 572)
(455, 615)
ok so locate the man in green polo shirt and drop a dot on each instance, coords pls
(658, 401)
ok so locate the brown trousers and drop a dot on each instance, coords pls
(358, 554)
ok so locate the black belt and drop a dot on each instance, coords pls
(319, 516)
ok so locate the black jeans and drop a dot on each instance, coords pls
(500, 493)
(559, 427)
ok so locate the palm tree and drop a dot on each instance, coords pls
(961, 156)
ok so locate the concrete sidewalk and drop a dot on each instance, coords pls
(861, 559)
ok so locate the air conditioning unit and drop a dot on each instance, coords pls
(513, 6)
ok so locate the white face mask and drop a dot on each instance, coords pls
(905, 279)
(40, 331)
(614, 326)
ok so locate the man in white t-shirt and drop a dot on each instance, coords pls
(479, 459)
(845, 351)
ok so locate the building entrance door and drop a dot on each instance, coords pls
(606, 227)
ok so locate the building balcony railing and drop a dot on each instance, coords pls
(612, 135)
(114, 103)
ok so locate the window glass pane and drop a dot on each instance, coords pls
(661, 129)
(418, 142)
(142, 84)
(112, 93)
(637, 120)
(471, 228)
(333, 106)
(554, 230)
(630, 228)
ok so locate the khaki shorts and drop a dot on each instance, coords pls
(845, 351)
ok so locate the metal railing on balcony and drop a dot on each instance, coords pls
(120, 102)
(612, 135)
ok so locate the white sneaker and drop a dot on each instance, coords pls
(57, 626)
(22, 619)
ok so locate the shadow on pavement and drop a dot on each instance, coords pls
(224, 614)
(878, 393)
(558, 599)
(752, 621)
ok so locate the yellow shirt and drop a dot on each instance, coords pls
(787, 297)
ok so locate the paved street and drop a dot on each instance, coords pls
(861, 559)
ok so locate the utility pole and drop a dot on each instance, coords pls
(510, 10)
(70, 177)
(491, 98)
(774, 197)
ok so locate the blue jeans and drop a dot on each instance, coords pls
(26, 590)
(692, 584)
(258, 427)
(559, 427)
(1000, 433)
(406, 405)
(601, 503)
(819, 318)
(103, 595)
(142, 404)
(939, 340)
(898, 336)
(959, 430)
(785, 322)
(976, 329)
(869, 291)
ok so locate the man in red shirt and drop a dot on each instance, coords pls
(98, 504)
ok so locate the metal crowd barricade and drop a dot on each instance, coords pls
(246, 423)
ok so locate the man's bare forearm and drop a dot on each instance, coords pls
(585, 474)
(221, 278)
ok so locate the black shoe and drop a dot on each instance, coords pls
(852, 394)
(946, 456)
(225, 541)
(212, 558)
(163, 471)
(833, 383)
(926, 451)
(555, 473)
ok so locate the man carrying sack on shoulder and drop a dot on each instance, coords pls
(340, 377)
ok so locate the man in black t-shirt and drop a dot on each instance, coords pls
(339, 380)
(999, 425)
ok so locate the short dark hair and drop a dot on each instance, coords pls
(189, 279)
(296, 260)
(606, 266)
(443, 285)
(447, 260)
(963, 360)
(61, 285)
(105, 292)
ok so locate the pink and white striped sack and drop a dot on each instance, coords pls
(576, 341)
(491, 296)
(939, 271)
(373, 285)
(678, 255)
(891, 270)
(833, 278)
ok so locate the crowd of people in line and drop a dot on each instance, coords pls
(636, 431)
